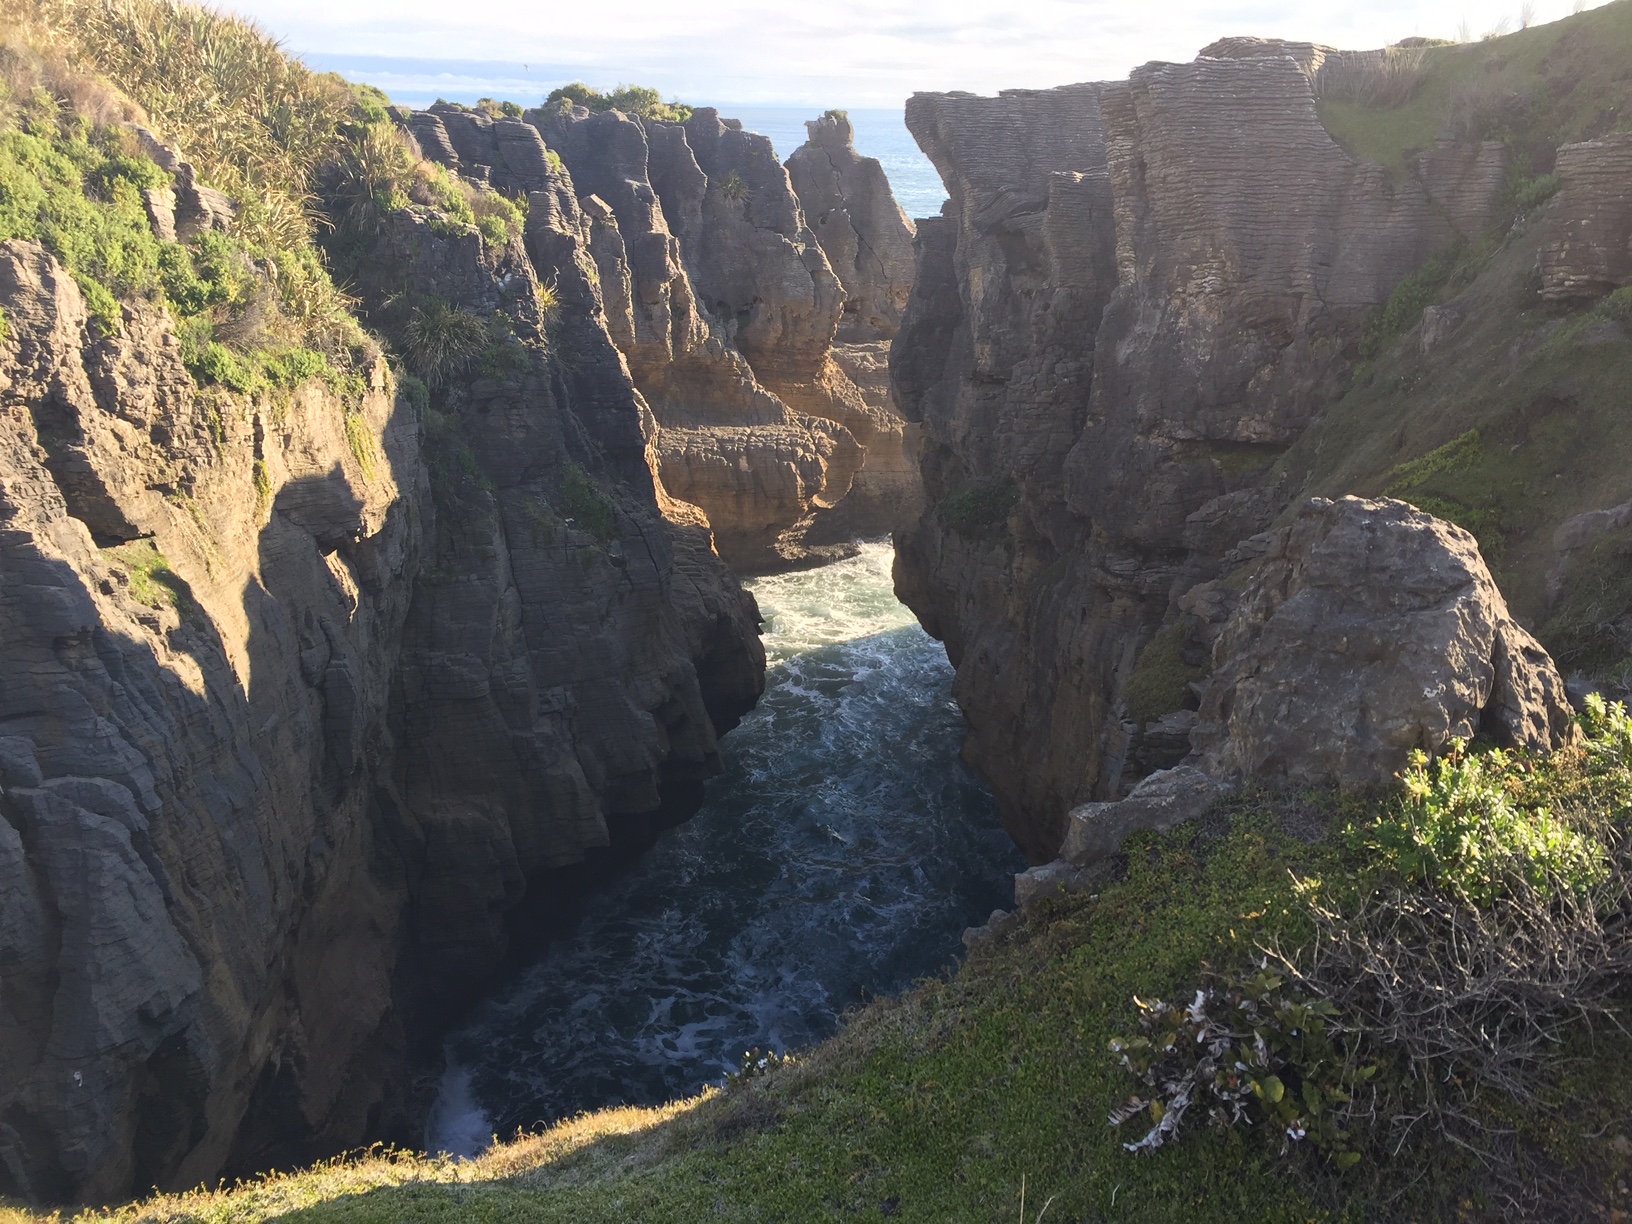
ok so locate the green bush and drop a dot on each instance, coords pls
(1248, 1050)
(1446, 271)
(1457, 827)
(1609, 733)
(216, 364)
(85, 207)
(979, 509)
(1528, 194)
(414, 390)
(441, 341)
(630, 99)
(1618, 305)
(1161, 678)
(295, 366)
(499, 218)
(584, 506)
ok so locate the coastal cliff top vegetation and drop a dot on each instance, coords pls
(310, 163)
(253, 299)
(1533, 90)
(1379, 1068)
(1509, 419)
(638, 100)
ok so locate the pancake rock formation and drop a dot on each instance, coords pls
(1140, 294)
(725, 307)
(300, 692)
(1365, 631)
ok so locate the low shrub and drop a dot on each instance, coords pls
(1249, 1050)
(981, 508)
(1457, 827)
(441, 341)
(1446, 271)
(583, 505)
(1161, 678)
(638, 100)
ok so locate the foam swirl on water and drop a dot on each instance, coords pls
(840, 855)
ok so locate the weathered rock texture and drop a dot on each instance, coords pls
(725, 307)
(1364, 631)
(861, 229)
(1367, 630)
(1139, 295)
(297, 696)
(1588, 249)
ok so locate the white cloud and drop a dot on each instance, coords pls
(854, 52)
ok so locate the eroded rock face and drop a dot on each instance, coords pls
(297, 695)
(1588, 249)
(724, 306)
(193, 690)
(1138, 297)
(862, 230)
(1367, 630)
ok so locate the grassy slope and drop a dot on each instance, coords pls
(939, 1105)
(1569, 79)
(934, 1106)
(1548, 399)
(1547, 394)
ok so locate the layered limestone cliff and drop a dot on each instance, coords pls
(1140, 295)
(300, 688)
(725, 307)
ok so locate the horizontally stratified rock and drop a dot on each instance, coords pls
(1139, 295)
(867, 238)
(725, 307)
(1369, 630)
(297, 695)
(197, 670)
(1588, 247)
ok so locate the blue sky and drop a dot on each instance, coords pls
(849, 52)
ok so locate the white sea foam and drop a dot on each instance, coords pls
(457, 1125)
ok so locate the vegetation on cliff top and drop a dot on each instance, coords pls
(1534, 90)
(638, 100)
(255, 306)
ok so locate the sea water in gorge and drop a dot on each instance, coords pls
(840, 855)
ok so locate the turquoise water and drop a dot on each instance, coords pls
(880, 133)
(840, 855)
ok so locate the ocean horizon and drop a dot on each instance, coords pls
(881, 132)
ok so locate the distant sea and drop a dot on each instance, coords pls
(880, 133)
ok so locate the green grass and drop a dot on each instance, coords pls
(1512, 424)
(152, 581)
(941, 1103)
(1534, 90)
(582, 502)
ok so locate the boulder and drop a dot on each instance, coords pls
(1367, 631)
(1162, 802)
